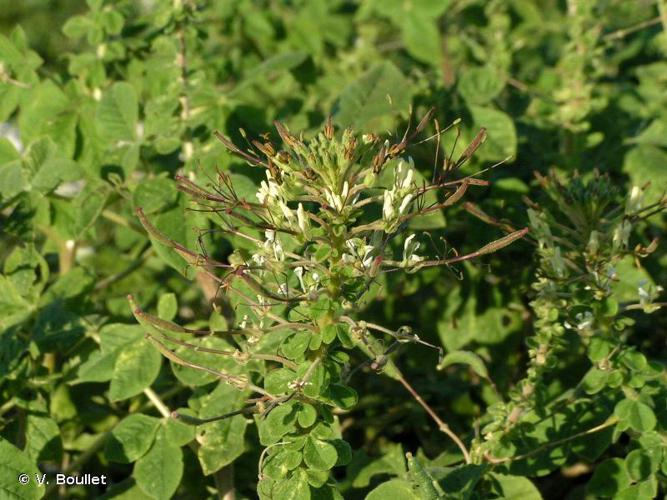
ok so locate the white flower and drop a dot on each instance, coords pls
(648, 292)
(272, 244)
(269, 190)
(634, 203)
(404, 204)
(258, 259)
(358, 251)
(388, 206)
(409, 249)
(286, 211)
(303, 221)
(404, 175)
(334, 200)
(299, 274)
(621, 235)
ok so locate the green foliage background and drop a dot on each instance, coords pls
(110, 99)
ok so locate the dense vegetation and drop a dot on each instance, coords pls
(374, 249)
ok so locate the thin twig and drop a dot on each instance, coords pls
(622, 33)
(442, 426)
(610, 422)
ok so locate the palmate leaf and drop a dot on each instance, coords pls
(125, 358)
(12, 463)
(158, 472)
(117, 113)
(369, 102)
(222, 441)
(131, 438)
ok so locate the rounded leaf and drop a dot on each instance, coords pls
(319, 455)
(637, 415)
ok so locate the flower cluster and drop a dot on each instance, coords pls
(307, 250)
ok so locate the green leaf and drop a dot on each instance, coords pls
(595, 380)
(294, 488)
(318, 381)
(131, 438)
(467, 358)
(125, 358)
(646, 490)
(135, 370)
(117, 113)
(68, 285)
(344, 451)
(278, 465)
(12, 463)
(280, 421)
(362, 469)
(12, 180)
(464, 323)
(396, 489)
(167, 306)
(319, 455)
(640, 465)
(154, 194)
(278, 380)
(647, 163)
(179, 433)
(421, 37)
(378, 94)
(77, 26)
(599, 349)
(342, 396)
(49, 166)
(13, 307)
(460, 481)
(480, 85)
(635, 414)
(609, 478)
(49, 112)
(177, 223)
(296, 344)
(514, 487)
(42, 438)
(88, 206)
(223, 441)
(158, 472)
(192, 376)
(307, 415)
(114, 339)
(501, 139)
(7, 151)
(112, 21)
(276, 65)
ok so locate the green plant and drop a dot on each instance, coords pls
(103, 103)
(583, 236)
(311, 247)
